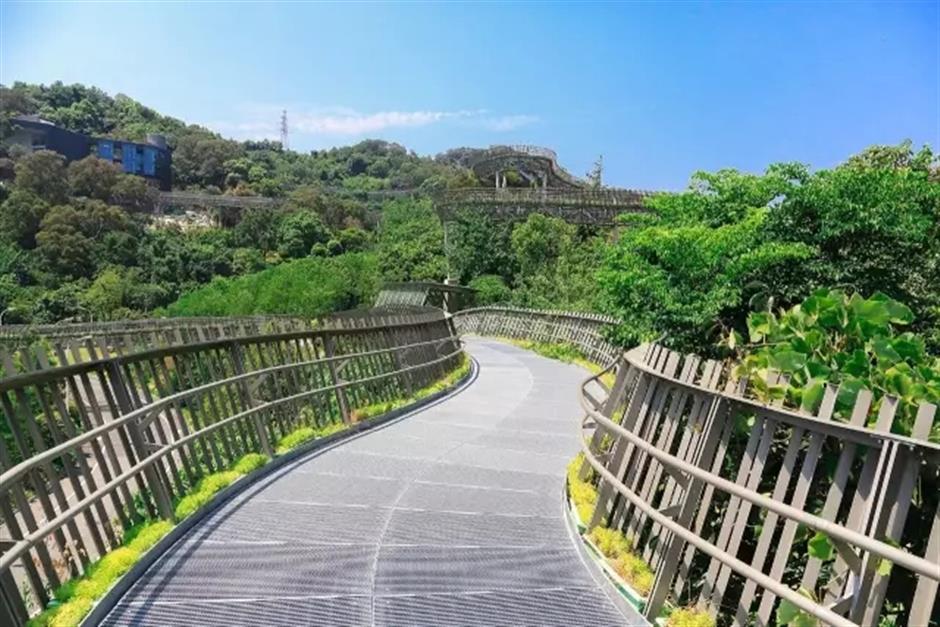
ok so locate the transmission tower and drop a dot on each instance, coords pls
(284, 144)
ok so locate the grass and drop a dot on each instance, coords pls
(442, 384)
(209, 485)
(304, 434)
(582, 491)
(616, 548)
(73, 600)
(565, 352)
(689, 617)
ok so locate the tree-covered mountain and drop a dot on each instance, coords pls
(203, 159)
(77, 240)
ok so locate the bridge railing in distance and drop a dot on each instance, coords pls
(149, 332)
(89, 449)
(737, 504)
(586, 331)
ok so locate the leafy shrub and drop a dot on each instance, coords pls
(78, 596)
(491, 289)
(689, 617)
(305, 287)
(611, 542)
(582, 492)
(845, 339)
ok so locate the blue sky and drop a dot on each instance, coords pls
(660, 89)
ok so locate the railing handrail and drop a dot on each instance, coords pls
(835, 530)
(20, 547)
(48, 374)
(847, 431)
(8, 477)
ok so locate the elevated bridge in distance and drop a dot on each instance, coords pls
(599, 207)
(540, 185)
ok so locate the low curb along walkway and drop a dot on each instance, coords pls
(452, 516)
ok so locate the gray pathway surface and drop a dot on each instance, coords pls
(451, 516)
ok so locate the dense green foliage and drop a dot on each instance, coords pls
(836, 338)
(703, 259)
(77, 241)
(305, 287)
(541, 262)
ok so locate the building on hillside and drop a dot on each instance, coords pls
(150, 160)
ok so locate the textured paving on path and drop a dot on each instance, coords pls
(451, 516)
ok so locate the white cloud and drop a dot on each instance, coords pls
(508, 122)
(262, 122)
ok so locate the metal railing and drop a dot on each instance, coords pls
(154, 331)
(92, 448)
(723, 494)
(585, 331)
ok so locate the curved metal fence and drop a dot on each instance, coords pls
(90, 448)
(585, 331)
(736, 504)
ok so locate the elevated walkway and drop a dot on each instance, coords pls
(450, 516)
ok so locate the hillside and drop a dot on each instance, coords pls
(69, 252)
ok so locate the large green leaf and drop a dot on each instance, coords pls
(884, 350)
(758, 325)
(820, 547)
(787, 361)
(813, 394)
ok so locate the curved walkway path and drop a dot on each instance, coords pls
(451, 516)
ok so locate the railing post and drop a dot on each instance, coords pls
(139, 444)
(12, 608)
(329, 348)
(248, 401)
(712, 427)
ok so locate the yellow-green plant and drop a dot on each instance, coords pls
(75, 599)
(689, 617)
(583, 493)
(210, 484)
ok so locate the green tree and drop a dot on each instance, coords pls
(247, 260)
(540, 241)
(43, 173)
(63, 245)
(491, 290)
(480, 245)
(874, 223)
(20, 216)
(410, 242)
(258, 228)
(134, 194)
(685, 270)
(106, 294)
(92, 177)
(299, 231)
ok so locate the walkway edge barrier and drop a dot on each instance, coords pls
(97, 436)
(104, 605)
(736, 502)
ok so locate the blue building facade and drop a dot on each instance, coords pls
(151, 160)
